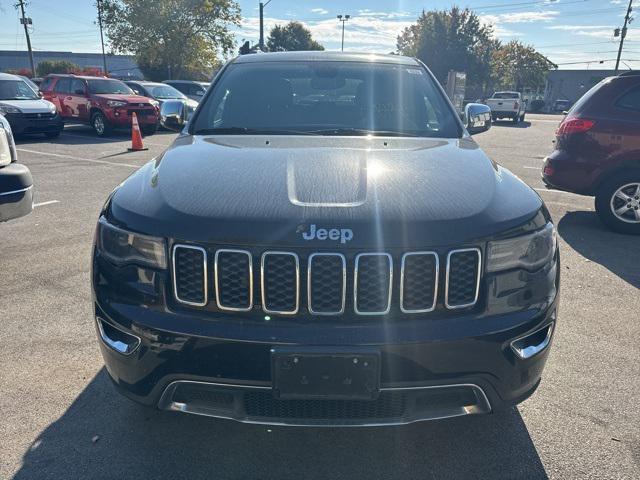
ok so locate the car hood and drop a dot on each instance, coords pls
(122, 97)
(243, 190)
(30, 106)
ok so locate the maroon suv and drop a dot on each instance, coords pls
(103, 103)
(598, 151)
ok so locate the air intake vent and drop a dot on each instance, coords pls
(463, 278)
(280, 282)
(234, 280)
(372, 283)
(327, 282)
(419, 282)
(190, 275)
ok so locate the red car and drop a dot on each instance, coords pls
(103, 103)
(598, 151)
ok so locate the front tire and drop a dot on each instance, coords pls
(516, 119)
(618, 202)
(100, 124)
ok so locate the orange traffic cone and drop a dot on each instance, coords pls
(136, 136)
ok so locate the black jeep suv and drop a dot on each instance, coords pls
(325, 244)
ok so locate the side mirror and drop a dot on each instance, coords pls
(40, 94)
(173, 115)
(477, 118)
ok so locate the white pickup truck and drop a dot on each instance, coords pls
(507, 105)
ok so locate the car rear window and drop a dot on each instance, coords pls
(505, 95)
(356, 98)
(582, 101)
(630, 100)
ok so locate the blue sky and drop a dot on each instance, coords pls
(567, 31)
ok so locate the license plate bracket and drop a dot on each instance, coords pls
(325, 373)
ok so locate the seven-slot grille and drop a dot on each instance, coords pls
(327, 279)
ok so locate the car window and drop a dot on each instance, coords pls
(76, 86)
(46, 84)
(107, 86)
(582, 101)
(311, 97)
(180, 87)
(505, 95)
(630, 100)
(166, 91)
(136, 88)
(195, 89)
(16, 90)
(63, 85)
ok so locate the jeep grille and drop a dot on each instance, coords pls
(325, 283)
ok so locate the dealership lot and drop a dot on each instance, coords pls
(62, 419)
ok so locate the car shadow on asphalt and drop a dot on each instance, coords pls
(102, 435)
(509, 123)
(591, 239)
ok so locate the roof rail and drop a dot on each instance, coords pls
(629, 73)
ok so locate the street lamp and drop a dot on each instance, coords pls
(343, 19)
(261, 6)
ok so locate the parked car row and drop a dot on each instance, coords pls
(103, 103)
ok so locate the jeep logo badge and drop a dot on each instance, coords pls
(343, 234)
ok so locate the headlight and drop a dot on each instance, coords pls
(530, 251)
(115, 103)
(52, 108)
(122, 246)
(4, 108)
(155, 103)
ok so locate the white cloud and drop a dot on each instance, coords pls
(520, 17)
(362, 33)
(319, 11)
(593, 31)
(390, 15)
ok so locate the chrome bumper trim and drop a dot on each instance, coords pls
(166, 402)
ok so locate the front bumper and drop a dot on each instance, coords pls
(220, 365)
(16, 192)
(121, 117)
(22, 123)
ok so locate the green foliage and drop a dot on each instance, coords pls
(517, 66)
(56, 66)
(172, 38)
(452, 39)
(291, 37)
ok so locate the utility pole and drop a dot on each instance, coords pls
(343, 19)
(623, 33)
(25, 21)
(262, 5)
(104, 57)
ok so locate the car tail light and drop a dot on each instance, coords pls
(516, 105)
(570, 125)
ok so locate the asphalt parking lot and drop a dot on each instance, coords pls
(61, 418)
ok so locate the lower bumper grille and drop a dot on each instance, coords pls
(258, 405)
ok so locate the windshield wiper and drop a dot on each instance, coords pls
(361, 132)
(248, 131)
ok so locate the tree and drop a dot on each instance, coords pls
(56, 66)
(291, 37)
(517, 66)
(451, 40)
(172, 38)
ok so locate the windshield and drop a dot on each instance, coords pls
(505, 95)
(327, 98)
(16, 90)
(166, 91)
(109, 86)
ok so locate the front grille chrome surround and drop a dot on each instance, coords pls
(219, 304)
(435, 282)
(449, 305)
(263, 289)
(309, 284)
(384, 311)
(205, 275)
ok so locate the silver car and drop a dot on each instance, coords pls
(16, 183)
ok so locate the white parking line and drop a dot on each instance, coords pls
(85, 137)
(42, 204)
(91, 160)
(532, 168)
